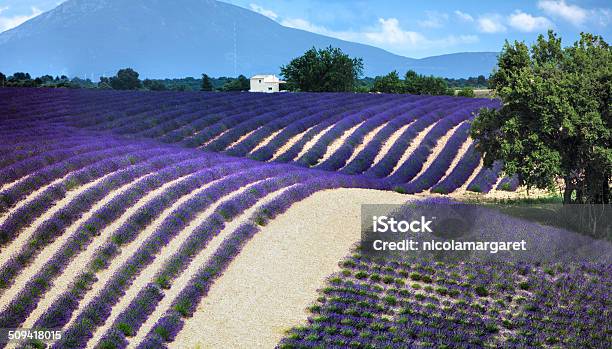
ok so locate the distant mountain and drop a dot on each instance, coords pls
(161, 38)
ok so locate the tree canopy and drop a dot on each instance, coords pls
(239, 84)
(153, 85)
(555, 121)
(466, 92)
(413, 83)
(206, 83)
(425, 85)
(126, 79)
(390, 83)
(323, 70)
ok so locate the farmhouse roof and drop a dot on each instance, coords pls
(267, 78)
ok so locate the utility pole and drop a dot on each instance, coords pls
(235, 51)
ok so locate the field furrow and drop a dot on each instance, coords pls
(187, 273)
(173, 219)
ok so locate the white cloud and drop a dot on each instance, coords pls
(268, 13)
(466, 17)
(390, 32)
(299, 23)
(603, 17)
(434, 20)
(559, 8)
(387, 34)
(525, 22)
(491, 24)
(9, 22)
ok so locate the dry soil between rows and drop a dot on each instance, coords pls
(266, 289)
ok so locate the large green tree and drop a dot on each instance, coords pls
(126, 79)
(555, 122)
(323, 70)
(425, 85)
(206, 83)
(239, 84)
(390, 83)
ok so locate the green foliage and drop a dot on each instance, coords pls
(413, 83)
(154, 85)
(323, 70)
(206, 83)
(182, 307)
(474, 82)
(425, 85)
(239, 84)
(20, 79)
(390, 83)
(163, 332)
(163, 282)
(415, 276)
(481, 291)
(555, 120)
(466, 92)
(126, 329)
(399, 189)
(439, 190)
(80, 83)
(475, 188)
(126, 79)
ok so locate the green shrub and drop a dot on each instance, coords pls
(415, 276)
(475, 188)
(399, 189)
(361, 275)
(524, 285)
(466, 92)
(439, 190)
(390, 300)
(481, 291)
(182, 307)
(126, 329)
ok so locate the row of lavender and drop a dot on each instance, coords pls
(398, 304)
(103, 164)
(261, 127)
(73, 159)
(407, 300)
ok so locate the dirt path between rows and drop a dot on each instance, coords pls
(268, 286)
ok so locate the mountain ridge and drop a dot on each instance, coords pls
(90, 38)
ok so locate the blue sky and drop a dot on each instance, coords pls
(409, 28)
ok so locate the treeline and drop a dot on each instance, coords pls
(21, 79)
(317, 70)
(206, 83)
(417, 84)
(331, 70)
(366, 84)
(128, 79)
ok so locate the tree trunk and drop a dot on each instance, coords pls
(567, 192)
(605, 191)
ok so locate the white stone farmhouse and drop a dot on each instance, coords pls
(265, 83)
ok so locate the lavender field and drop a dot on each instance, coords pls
(372, 304)
(120, 210)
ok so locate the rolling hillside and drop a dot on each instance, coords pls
(123, 213)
